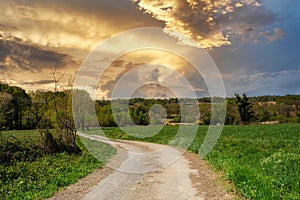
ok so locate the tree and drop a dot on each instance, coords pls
(232, 115)
(41, 113)
(140, 115)
(5, 108)
(83, 107)
(20, 102)
(63, 138)
(244, 108)
(105, 116)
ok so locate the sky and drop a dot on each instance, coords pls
(254, 43)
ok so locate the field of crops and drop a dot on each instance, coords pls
(263, 161)
(28, 173)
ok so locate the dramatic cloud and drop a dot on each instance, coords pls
(209, 23)
(16, 55)
(36, 35)
(29, 65)
(153, 66)
(68, 24)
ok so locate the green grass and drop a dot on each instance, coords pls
(28, 135)
(262, 161)
(40, 177)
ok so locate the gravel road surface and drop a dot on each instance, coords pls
(149, 172)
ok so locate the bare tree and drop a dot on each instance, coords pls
(62, 106)
(63, 139)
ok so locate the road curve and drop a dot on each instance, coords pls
(150, 172)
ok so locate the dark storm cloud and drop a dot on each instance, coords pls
(210, 23)
(18, 55)
(42, 82)
(247, 19)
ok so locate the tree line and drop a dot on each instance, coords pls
(53, 109)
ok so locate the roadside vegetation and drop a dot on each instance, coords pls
(35, 164)
(27, 171)
(262, 161)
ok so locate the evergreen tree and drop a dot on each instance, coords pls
(244, 108)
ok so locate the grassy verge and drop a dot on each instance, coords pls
(38, 176)
(263, 162)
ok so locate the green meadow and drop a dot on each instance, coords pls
(262, 161)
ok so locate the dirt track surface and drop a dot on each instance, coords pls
(149, 172)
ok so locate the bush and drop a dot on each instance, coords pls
(58, 141)
(13, 150)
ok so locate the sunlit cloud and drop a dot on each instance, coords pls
(206, 23)
(30, 66)
(50, 27)
(150, 66)
(37, 35)
(67, 24)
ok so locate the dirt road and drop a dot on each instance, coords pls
(149, 172)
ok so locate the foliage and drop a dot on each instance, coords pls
(244, 108)
(105, 117)
(82, 107)
(56, 142)
(35, 174)
(5, 109)
(41, 114)
(13, 150)
(48, 110)
(139, 115)
(19, 103)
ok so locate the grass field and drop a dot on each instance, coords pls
(263, 161)
(30, 174)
